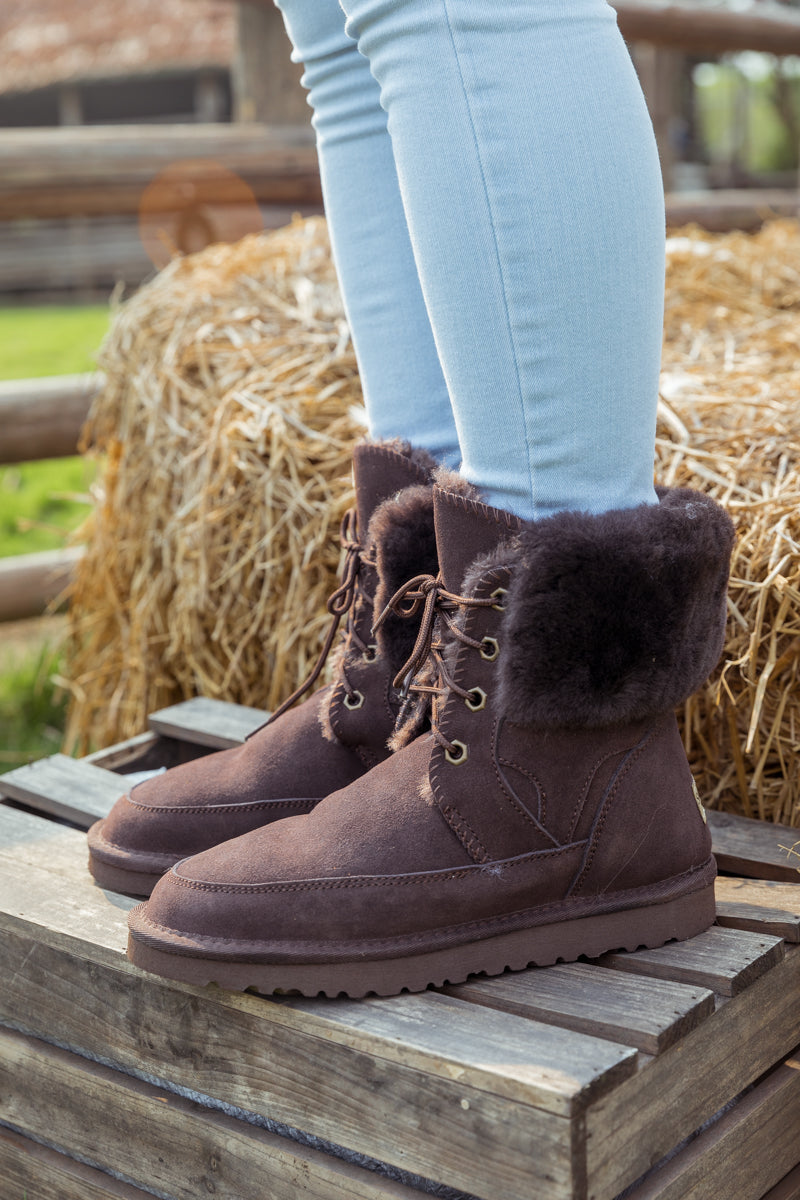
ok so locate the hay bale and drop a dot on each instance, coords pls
(226, 427)
(730, 426)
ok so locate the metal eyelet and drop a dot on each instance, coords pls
(353, 701)
(498, 592)
(456, 753)
(476, 700)
(371, 653)
(490, 649)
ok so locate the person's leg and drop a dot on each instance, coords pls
(532, 190)
(404, 388)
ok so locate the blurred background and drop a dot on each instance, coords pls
(131, 130)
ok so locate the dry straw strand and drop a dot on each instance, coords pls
(729, 424)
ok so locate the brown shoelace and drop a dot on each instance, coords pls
(440, 608)
(339, 604)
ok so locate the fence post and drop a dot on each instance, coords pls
(266, 83)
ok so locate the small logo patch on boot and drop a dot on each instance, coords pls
(699, 803)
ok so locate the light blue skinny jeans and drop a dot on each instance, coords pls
(495, 205)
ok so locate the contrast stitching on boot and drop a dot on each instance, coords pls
(365, 881)
(622, 772)
(465, 834)
(580, 803)
(216, 809)
(454, 819)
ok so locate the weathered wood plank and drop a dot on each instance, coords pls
(30, 1170)
(564, 1071)
(65, 976)
(65, 787)
(762, 906)
(636, 1011)
(121, 754)
(725, 960)
(672, 1095)
(757, 849)
(162, 1141)
(744, 1153)
(207, 722)
(787, 1189)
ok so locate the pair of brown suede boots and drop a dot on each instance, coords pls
(494, 779)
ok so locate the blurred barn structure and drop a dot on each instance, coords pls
(130, 130)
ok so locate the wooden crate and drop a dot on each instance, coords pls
(664, 1074)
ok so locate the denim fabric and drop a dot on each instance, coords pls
(496, 210)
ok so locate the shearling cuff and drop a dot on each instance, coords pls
(615, 617)
(404, 539)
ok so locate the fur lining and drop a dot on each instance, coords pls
(403, 536)
(451, 481)
(616, 616)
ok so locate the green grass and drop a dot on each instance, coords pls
(38, 505)
(38, 509)
(51, 340)
(32, 713)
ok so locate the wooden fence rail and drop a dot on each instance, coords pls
(42, 418)
(697, 27)
(29, 582)
(104, 170)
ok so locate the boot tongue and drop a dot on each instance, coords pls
(381, 472)
(466, 529)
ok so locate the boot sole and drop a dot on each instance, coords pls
(129, 883)
(543, 945)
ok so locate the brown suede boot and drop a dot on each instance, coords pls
(548, 813)
(331, 739)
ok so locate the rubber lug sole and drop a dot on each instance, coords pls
(565, 941)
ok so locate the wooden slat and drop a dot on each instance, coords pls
(561, 1071)
(787, 1189)
(29, 1170)
(170, 1145)
(762, 906)
(744, 1153)
(65, 787)
(673, 1095)
(29, 582)
(42, 418)
(758, 849)
(378, 1084)
(649, 1014)
(122, 754)
(725, 960)
(207, 722)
